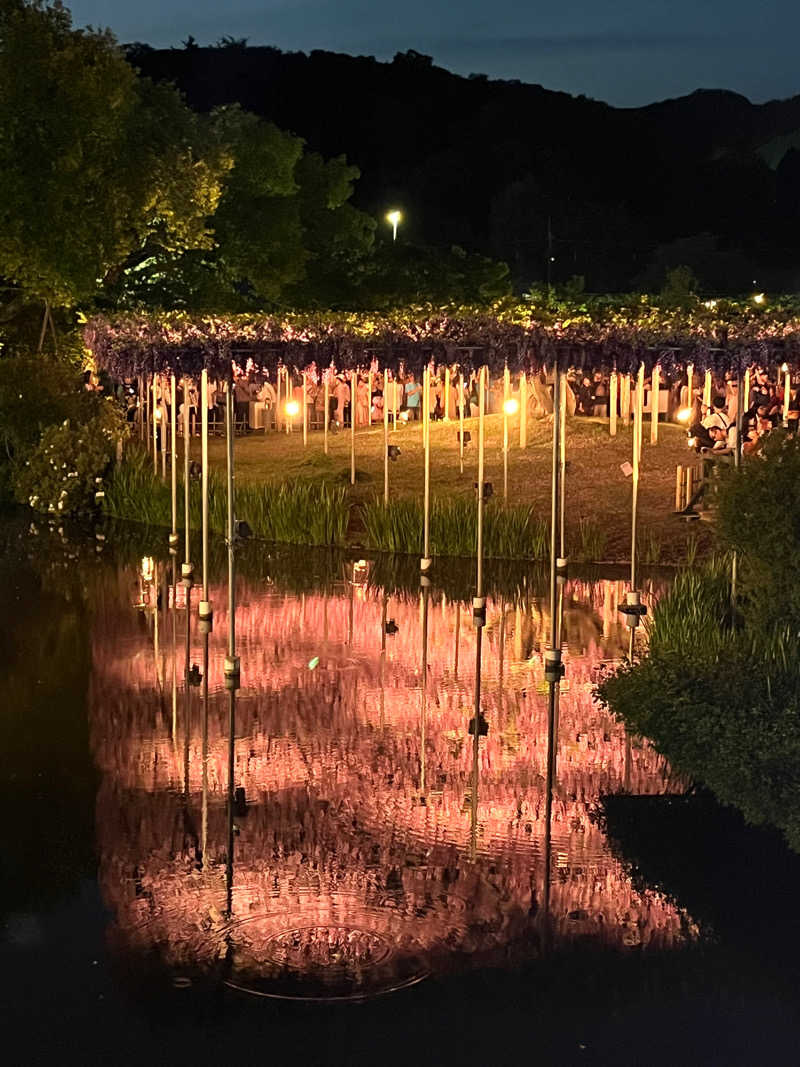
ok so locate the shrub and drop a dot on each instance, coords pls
(719, 699)
(759, 518)
(64, 471)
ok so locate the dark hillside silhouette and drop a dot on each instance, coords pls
(488, 165)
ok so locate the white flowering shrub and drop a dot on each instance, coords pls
(64, 473)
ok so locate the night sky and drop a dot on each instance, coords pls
(622, 51)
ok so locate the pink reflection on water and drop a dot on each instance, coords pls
(345, 863)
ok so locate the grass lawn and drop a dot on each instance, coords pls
(598, 492)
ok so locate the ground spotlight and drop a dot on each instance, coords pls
(292, 409)
(511, 406)
(684, 415)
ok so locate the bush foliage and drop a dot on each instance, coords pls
(718, 691)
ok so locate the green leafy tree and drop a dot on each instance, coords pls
(284, 230)
(97, 166)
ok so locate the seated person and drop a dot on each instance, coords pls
(724, 441)
(717, 415)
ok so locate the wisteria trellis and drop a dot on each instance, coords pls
(523, 337)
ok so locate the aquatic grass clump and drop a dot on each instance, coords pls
(394, 528)
(591, 542)
(135, 493)
(300, 513)
(508, 533)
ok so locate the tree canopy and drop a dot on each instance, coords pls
(96, 163)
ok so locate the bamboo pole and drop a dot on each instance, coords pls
(479, 601)
(369, 400)
(386, 438)
(462, 399)
(154, 404)
(523, 409)
(425, 562)
(625, 403)
(613, 389)
(173, 419)
(506, 395)
(146, 398)
(305, 409)
(555, 510)
(679, 487)
(787, 385)
(562, 475)
(447, 393)
(187, 569)
(690, 385)
(278, 408)
(746, 401)
(707, 390)
(162, 427)
(637, 453)
(654, 403)
(353, 395)
(326, 389)
(289, 397)
(205, 603)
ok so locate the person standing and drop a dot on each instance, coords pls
(413, 395)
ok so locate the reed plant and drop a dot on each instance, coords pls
(508, 533)
(591, 542)
(650, 546)
(301, 513)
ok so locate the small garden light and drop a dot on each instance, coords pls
(292, 409)
(511, 406)
(684, 415)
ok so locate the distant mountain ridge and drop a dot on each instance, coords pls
(540, 178)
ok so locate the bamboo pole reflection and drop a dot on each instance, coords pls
(423, 739)
(476, 735)
(384, 610)
(187, 685)
(174, 646)
(457, 638)
(204, 809)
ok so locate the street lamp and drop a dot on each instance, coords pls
(394, 218)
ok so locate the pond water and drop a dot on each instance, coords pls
(368, 850)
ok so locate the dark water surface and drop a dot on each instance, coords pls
(381, 888)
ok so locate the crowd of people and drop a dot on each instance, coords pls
(268, 404)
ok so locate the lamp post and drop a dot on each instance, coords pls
(394, 218)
